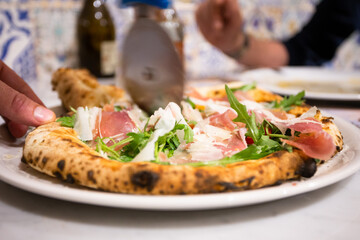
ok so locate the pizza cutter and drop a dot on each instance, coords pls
(151, 68)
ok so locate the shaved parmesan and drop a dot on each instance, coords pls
(85, 122)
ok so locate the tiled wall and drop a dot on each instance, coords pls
(37, 36)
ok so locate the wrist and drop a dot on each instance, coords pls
(239, 51)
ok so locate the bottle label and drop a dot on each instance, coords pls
(108, 57)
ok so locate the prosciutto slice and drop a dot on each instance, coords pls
(318, 144)
(236, 143)
(115, 124)
(224, 120)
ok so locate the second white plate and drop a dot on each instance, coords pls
(319, 83)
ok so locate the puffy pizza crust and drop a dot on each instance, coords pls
(77, 88)
(257, 94)
(57, 151)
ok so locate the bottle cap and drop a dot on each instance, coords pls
(156, 3)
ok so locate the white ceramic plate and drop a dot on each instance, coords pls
(22, 176)
(318, 83)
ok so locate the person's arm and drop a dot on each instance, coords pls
(220, 22)
(317, 42)
(20, 107)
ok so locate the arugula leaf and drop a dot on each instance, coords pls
(138, 142)
(189, 134)
(245, 88)
(110, 150)
(188, 100)
(101, 145)
(243, 116)
(287, 103)
(67, 121)
(169, 142)
(118, 108)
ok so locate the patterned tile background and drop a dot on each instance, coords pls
(37, 36)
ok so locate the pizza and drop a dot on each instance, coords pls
(77, 87)
(225, 138)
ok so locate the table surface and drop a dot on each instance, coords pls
(332, 212)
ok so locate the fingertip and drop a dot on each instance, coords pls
(219, 2)
(218, 25)
(43, 115)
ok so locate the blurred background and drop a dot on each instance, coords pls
(38, 36)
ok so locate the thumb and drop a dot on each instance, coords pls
(20, 109)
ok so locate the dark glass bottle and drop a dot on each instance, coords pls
(96, 39)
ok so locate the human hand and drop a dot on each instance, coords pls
(220, 22)
(20, 107)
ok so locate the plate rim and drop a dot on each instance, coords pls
(185, 202)
(309, 94)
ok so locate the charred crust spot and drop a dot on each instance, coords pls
(126, 183)
(143, 165)
(36, 159)
(183, 179)
(58, 175)
(325, 120)
(227, 186)
(66, 140)
(247, 180)
(171, 186)
(162, 192)
(94, 157)
(77, 145)
(90, 176)
(261, 171)
(145, 179)
(307, 169)
(338, 148)
(277, 154)
(199, 174)
(278, 182)
(23, 160)
(69, 178)
(61, 164)
(67, 90)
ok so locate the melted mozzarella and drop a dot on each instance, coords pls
(85, 122)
